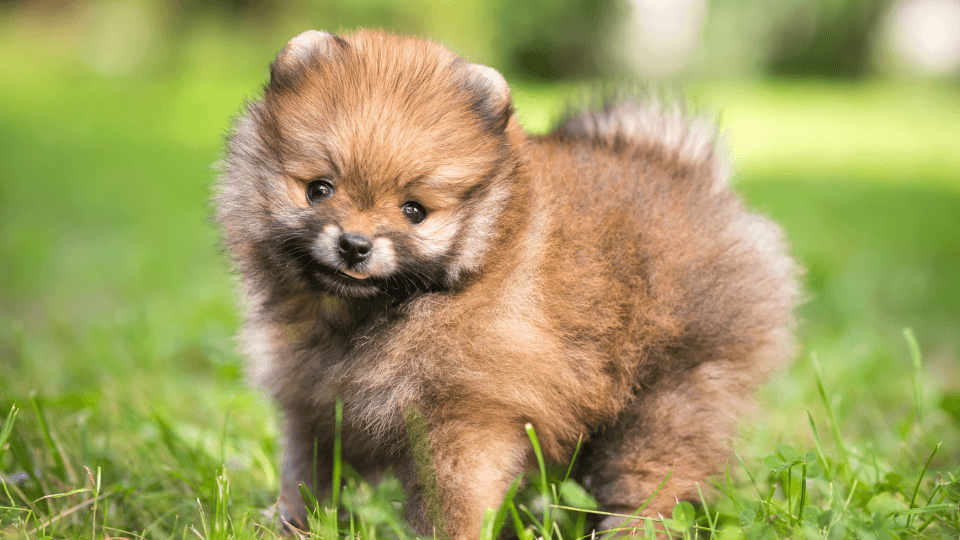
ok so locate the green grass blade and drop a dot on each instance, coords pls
(21, 454)
(309, 500)
(539, 453)
(547, 527)
(728, 491)
(337, 453)
(712, 521)
(518, 525)
(636, 512)
(576, 452)
(819, 444)
(531, 517)
(917, 361)
(499, 519)
(6, 429)
(803, 493)
(203, 523)
(58, 460)
(928, 509)
(834, 425)
(927, 523)
(187, 457)
(223, 439)
(923, 472)
(96, 499)
(789, 493)
(486, 524)
(316, 449)
(752, 480)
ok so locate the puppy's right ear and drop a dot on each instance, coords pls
(491, 94)
(300, 52)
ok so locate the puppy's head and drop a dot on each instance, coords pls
(373, 165)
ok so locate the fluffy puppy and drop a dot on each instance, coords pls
(403, 245)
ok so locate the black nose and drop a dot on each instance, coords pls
(354, 248)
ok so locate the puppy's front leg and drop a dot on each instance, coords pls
(459, 469)
(307, 460)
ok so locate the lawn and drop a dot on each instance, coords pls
(117, 308)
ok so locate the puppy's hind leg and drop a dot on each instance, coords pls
(678, 428)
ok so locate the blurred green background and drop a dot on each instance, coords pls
(117, 306)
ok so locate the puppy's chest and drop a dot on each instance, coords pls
(376, 385)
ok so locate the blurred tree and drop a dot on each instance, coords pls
(825, 38)
(545, 39)
(539, 39)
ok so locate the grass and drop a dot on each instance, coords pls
(125, 413)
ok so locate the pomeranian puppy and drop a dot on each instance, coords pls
(403, 245)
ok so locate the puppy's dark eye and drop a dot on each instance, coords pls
(319, 190)
(413, 211)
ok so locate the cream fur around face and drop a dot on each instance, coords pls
(382, 260)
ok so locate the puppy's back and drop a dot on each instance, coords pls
(643, 189)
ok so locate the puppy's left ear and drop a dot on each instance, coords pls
(491, 94)
(300, 53)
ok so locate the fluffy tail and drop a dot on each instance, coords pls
(652, 128)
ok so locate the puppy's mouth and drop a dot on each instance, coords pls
(354, 274)
(339, 281)
(335, 278)
(344, 281)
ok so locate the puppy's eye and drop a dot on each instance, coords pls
(413, 211)
(319, 190)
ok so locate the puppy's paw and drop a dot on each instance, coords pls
(286, 521)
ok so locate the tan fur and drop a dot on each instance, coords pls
(601, 281)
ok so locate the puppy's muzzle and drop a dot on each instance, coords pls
(354, 248)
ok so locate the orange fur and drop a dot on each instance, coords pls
(601, 281)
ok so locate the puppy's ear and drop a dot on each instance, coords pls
(307, 48)
(490, 93)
